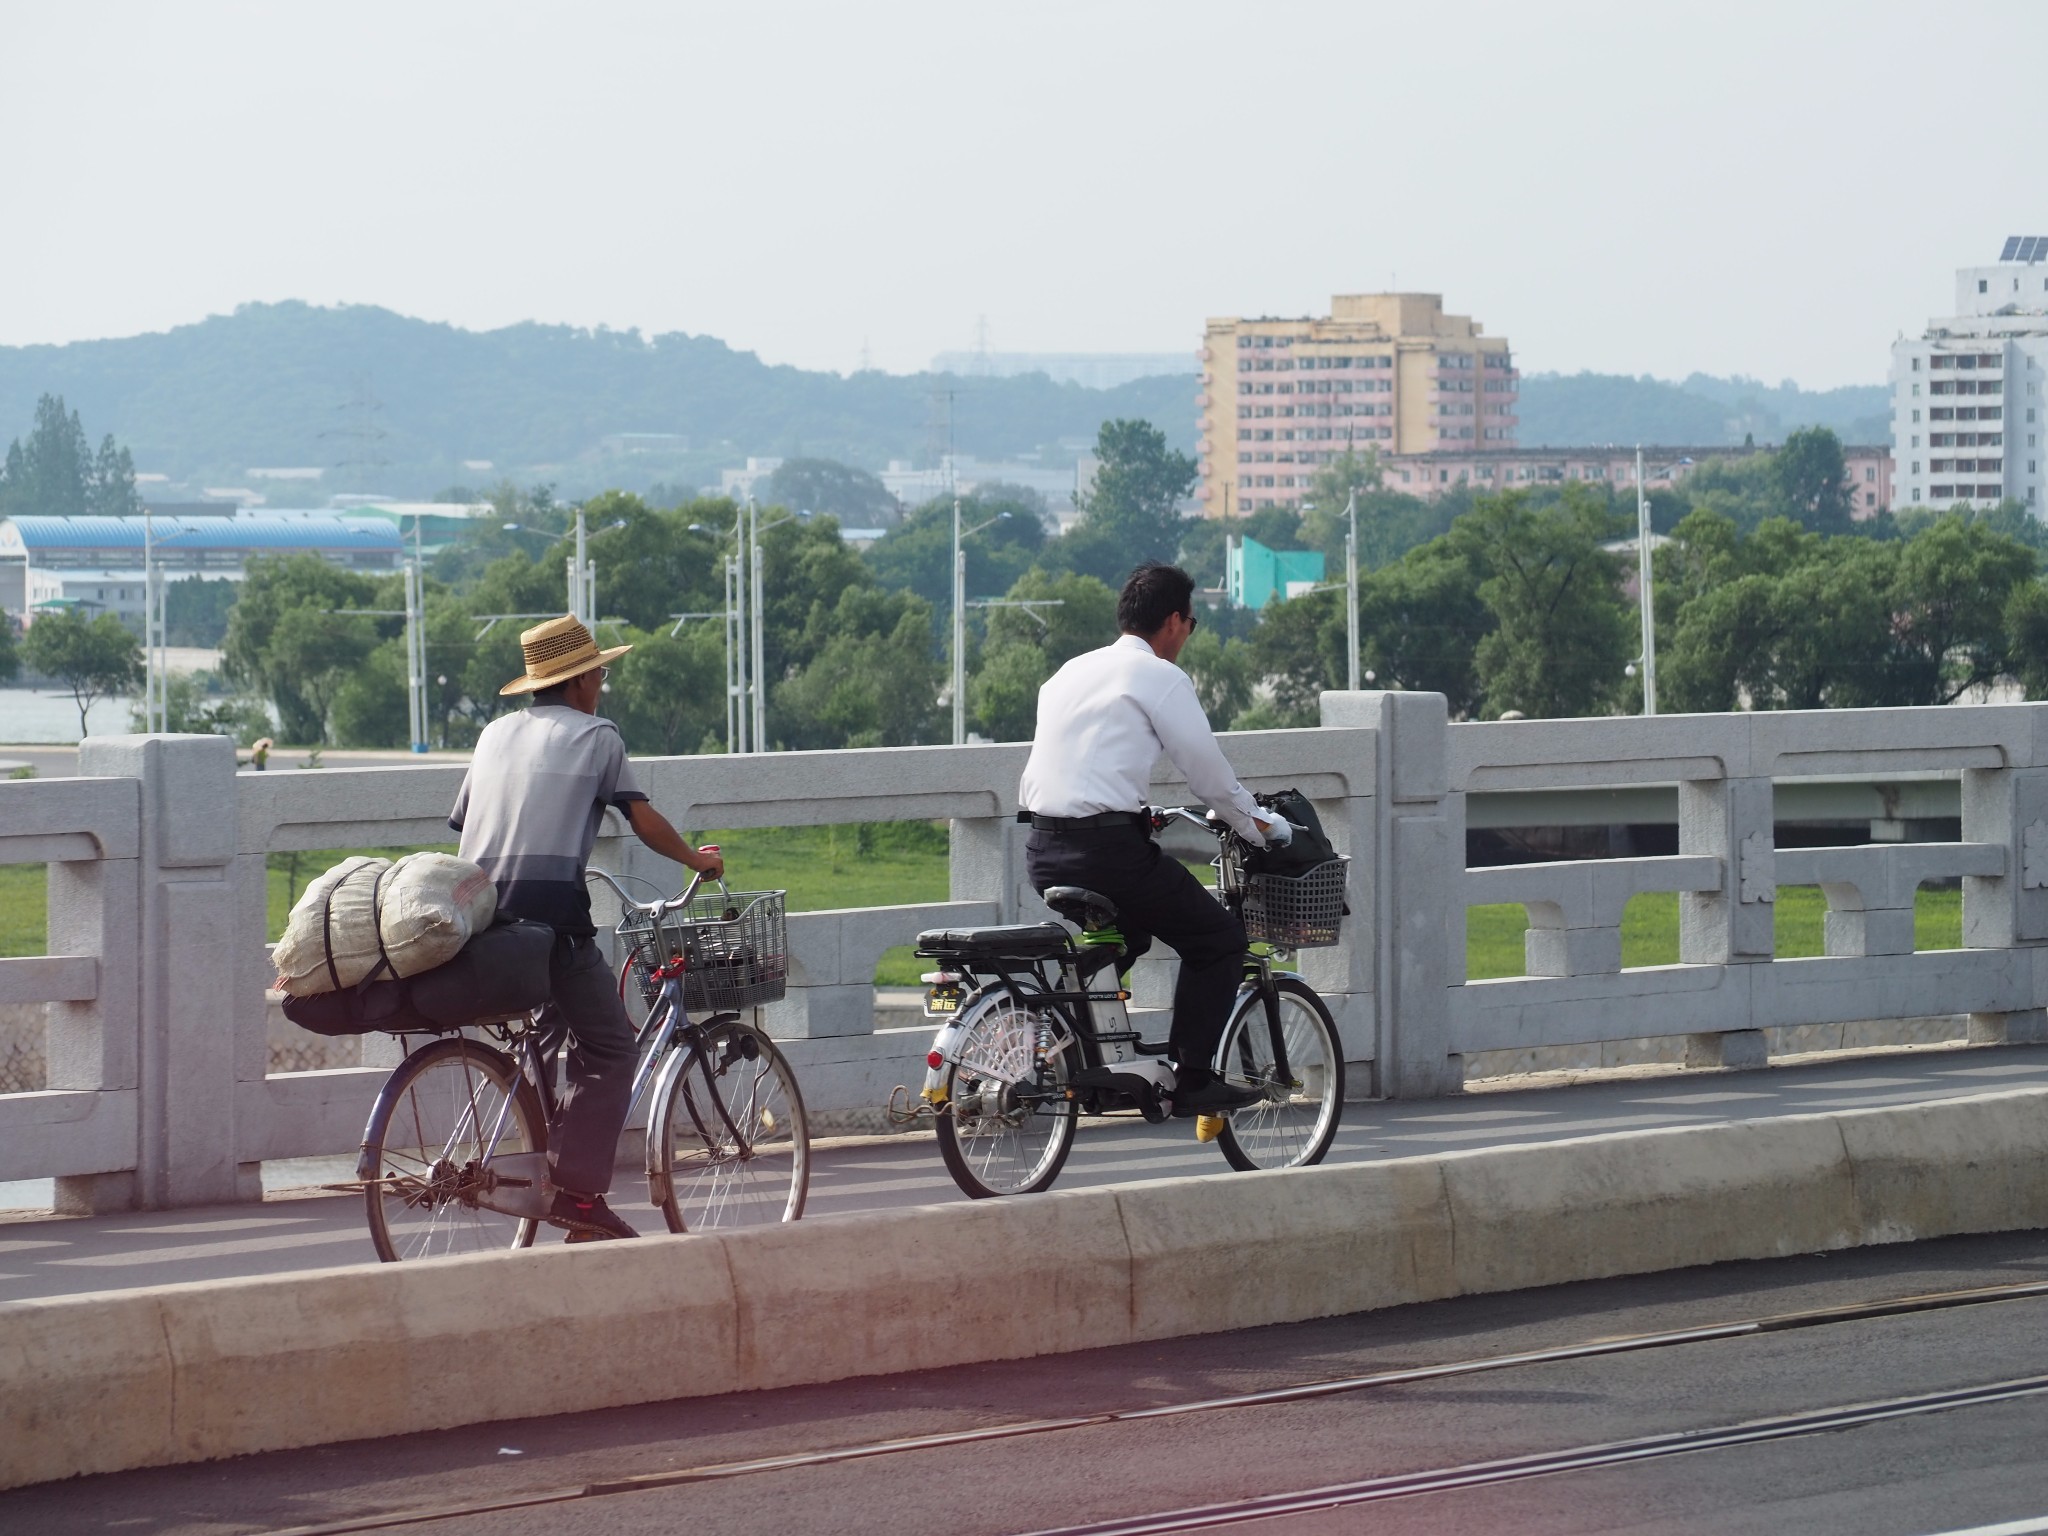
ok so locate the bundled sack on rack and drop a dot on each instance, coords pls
(368, 919)
(503, 970)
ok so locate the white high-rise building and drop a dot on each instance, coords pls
(1967, 396)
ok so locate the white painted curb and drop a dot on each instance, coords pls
(194, 1372)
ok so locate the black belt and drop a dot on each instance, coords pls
(1085, 823)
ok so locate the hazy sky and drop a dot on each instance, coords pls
(1645, 187)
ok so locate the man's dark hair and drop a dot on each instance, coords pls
(559, 694)
(1153, 594)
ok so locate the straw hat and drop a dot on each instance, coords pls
(557, 651)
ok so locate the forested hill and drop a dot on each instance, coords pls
(400, 403)
(395, 405)
(1572, 410)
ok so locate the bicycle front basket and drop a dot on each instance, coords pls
(1292, 911)
(736, 946)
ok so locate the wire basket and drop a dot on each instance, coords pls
(736, 945)
(1292, 911)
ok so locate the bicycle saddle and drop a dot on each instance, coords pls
(1082, 907)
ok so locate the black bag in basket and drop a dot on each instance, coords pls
(1310, 847)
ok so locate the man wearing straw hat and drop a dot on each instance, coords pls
(528, 813)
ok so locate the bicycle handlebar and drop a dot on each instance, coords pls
(1209, 821)
(655, 909)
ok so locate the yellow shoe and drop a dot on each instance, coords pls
(1208, 1127)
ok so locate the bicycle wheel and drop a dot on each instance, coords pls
(1007, 1128)
(734, 1147)
(1295, 1123)
(445, 1115)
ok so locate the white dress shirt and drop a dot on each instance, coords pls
(1103, 720)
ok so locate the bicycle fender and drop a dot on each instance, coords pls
(657, 1107)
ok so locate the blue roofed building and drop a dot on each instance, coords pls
(96, 563)
(1255, 575)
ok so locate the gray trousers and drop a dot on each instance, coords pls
(583, 1142)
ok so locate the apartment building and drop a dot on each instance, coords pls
(1389, 371)
(1966, 394)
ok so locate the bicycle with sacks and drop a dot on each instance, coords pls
(1036, 1030)
(455, 1155)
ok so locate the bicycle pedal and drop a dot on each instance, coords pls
(1208, 1127)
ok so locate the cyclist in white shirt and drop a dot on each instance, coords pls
(1103, 720)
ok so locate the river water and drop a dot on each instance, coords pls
(42, 715)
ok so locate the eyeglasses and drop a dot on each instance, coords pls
(1193, 620)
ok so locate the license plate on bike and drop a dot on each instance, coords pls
(942, 999)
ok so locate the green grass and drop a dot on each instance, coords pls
(24, 910)
(1649, 929)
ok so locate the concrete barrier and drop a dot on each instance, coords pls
(196, 1372)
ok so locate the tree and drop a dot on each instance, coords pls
(861, 687)
(2026, 627)
(1297, 652)
(1953, 583)
(655, 566)
(1561, 630)
(10, 649)
(917, 554)
(1026, 646)
(668, 696)
(1420, 622)
(1813, 479)
(1221, 671)
(286, 638)
(91, 657)
(54, 473)
(1135, 498)
(829, 488)
(50, 474)
(196, 610)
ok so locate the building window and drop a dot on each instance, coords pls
(1916, 389)
(1982, 285)
(1916, 493)
(1916, 415)
(1916, 365)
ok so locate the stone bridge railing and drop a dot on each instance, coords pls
(159, 1089)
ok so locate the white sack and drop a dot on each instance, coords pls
(429, 906)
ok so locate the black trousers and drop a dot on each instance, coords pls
(583, 1142)
(1155, 897)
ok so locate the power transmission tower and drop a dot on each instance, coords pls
(359, 437)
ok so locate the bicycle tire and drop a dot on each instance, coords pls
(1012, 1150)
(421, 1165)
(1294, 1129)
(749, 1165)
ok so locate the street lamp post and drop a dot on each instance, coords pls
(1351, 591)
(1646, 592)
(156, 661)
(759, 603)
(960, 617)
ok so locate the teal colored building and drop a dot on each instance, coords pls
(1254, 575)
